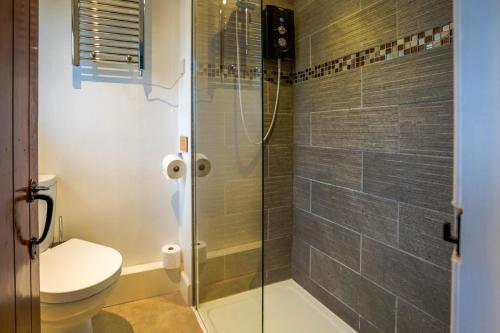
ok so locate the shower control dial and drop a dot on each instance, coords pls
(278, 35)
(282, 30)
(282, 42)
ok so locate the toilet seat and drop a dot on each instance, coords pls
(76, 270)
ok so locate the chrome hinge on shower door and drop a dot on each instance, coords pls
(447, 227)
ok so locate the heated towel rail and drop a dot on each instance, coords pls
(109, 31)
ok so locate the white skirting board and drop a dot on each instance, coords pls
(186, 289)
(144, 281)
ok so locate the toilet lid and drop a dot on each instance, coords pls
(77, 269)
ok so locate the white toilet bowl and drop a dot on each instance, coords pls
(76, 278)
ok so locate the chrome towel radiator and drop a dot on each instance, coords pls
(108, 31)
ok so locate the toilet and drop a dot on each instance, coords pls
(76, 277)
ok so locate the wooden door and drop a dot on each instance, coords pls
(19, 276)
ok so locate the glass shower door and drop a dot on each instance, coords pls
(227, 114)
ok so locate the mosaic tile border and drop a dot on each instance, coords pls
(422, 41)
(253, 73)
(419, 42)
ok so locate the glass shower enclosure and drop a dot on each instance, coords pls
(228, 200)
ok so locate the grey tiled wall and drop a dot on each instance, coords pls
(278, 173)
(373, 167)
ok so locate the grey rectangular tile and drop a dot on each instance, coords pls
(302, 53)
(303, 98)
(366, 129)
(361, 295)
(377, 305)
(277, 275)
(423, 181)
(419, 282)
(211, 271)
(320, 13)
(285, 98)
(301, 252)
(421, 233)
(230, 287)
(243, 195)
(233, 162)
(334, 240)
(413, 320)
(302, 129)
(346, 313)
(302, 193)
(427, 128)
(223, 231)
(367, 3)
(333, 92)
(372, 26)
(333, 166)
(278, 192)
(280, 159)
(338, 280)
(243, 263)
(417, 16)
(364, 213)
(337, 92)
(367, 327)
(280, 222)
(277, 253)
(422, 77)
(282, 133)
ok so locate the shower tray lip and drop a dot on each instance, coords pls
(285, 304)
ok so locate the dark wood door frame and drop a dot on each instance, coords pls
(19, 275)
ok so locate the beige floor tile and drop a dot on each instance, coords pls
(162, 314)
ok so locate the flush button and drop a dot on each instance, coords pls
(282, 42)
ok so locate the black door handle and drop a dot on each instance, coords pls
(33, 195)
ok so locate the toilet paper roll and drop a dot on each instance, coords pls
(201, 248)
(173, 167)
(171, 256)
(203, 165)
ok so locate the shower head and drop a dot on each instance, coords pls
(245, 4)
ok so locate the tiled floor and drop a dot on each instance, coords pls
(162, 314)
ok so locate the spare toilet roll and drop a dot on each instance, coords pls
(201, 248)
(203, 165)
(173, 167)
(171, 256)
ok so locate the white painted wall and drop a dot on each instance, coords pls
(185, 209)
(105, 135)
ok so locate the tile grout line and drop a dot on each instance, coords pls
(310, 51)
(375, 240)
(311, 247)
(396, 315)
(310, 195)
(360, 254)
(397, 226)
(386, 152)
(399, 129)
(361, 87)
(362, 171)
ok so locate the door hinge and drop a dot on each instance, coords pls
(447, 227)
